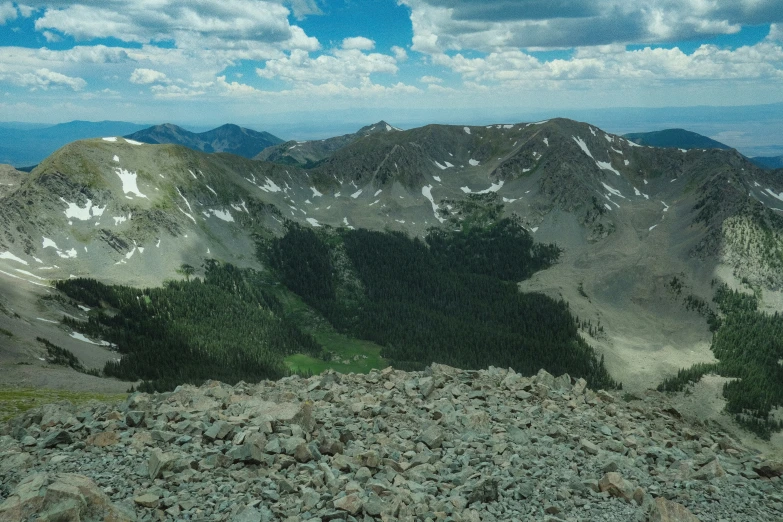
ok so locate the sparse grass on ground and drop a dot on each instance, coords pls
(14, 401)
(348, 355)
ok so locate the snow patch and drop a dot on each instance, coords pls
(25, 272)
(269, 186)
(614, 191)
(436, 178)
(632, 144)
(23, 279)
(426, 191)
(121, 219)
(494, 187)
(110, 138)
(133, 142)
(607, 165)
(82, 214)
(191, 173)
(116, 158)
(11, 257)
(473, 162)
(534, 229)
(378, 192)
(776, 196)
(129, 185)
(49, 243)
(546, 142)
(356, 194)
(609, 138)
(607, 206)
(592, 130)
(374, 202)
(47, 320)
(441, 167)
(80, 337)
(225, 215)
(582, 145)
(211, 190)
(652, 227)
(313, 222)
(627, 163)
(507, 200)
(665, 206)
(466, 129)
(316, 194)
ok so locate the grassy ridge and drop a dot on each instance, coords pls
(14, 401)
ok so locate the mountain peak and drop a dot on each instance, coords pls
(226, 138)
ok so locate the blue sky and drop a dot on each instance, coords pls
(267, 63)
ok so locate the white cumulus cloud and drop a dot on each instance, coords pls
(7, 12)
(441, 25)
(400, 54)
(342, 66)
(145, 76)
(44, 78)
(358, 42)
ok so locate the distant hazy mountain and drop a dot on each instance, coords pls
(306, 153)
(675, 138)
(768, 162)
(227, 138)
(22, 146)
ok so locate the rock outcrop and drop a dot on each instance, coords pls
(443, 444)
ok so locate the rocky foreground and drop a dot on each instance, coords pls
(442, 444)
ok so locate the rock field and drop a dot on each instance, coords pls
(438, 445)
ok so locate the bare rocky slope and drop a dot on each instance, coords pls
(443, 444)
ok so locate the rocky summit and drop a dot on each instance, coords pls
(443, 444)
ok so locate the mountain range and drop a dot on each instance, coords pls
(645, 232)
(226, 138)
(25, 145)
(684, 139)
(307, 153)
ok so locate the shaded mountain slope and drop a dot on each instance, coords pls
(768, 162)
(675, 138)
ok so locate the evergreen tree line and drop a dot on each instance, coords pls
(451, 298)
(749, 346)
(225, 327)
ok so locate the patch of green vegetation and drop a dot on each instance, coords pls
(748, 345)
(63, 357)
(15, 401)
(341, 353)
(226, 327)
(450, 299)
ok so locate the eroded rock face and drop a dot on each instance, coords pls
(444, 443)
(61, 497)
